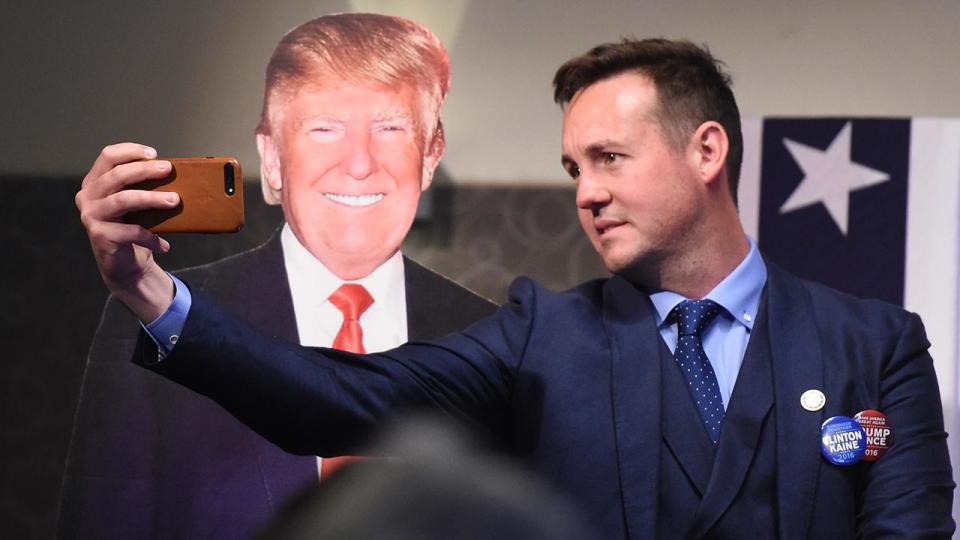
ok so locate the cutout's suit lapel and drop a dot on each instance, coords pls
(437, 306)
(419, 302)
(268, 305)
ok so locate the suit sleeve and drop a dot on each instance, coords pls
(909, 491)
(326, 402)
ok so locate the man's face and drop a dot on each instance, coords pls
(349, 161)
(637, 197)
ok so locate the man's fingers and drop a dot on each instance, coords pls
(113, 207)
(151, 241)
(108, 238)
(114, 155)
(118, 178)
(124, 175)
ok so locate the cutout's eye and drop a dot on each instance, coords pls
(326, 131)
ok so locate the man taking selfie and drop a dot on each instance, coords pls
(700, 392)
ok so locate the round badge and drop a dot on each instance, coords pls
(842, 440)
(879, 433)
(813, 400)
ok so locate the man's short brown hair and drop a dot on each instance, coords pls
(692, 88)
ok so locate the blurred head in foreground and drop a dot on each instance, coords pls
(436, 487)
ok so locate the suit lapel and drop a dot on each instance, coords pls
(635, 385)
(749, 406)
(797, 367)
(266, 303)
(690, 446)
(420, 307)
(437, 306)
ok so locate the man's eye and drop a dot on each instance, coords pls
(610, 157)
(573, 171)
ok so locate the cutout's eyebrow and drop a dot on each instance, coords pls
(322, 117)
(398, 113)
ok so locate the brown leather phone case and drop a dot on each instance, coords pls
(211, 197)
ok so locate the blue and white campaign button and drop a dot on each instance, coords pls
(842, 440)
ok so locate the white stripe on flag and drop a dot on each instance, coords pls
(749, 191)
(930, 276)
(931, 273)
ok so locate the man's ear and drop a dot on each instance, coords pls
(710, 146)
(431, 158)
(271, 181)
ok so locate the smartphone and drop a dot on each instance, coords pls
(211, 197)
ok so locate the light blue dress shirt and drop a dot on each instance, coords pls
(725, 338)
(165, 329)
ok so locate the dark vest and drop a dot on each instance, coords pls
(718, 493)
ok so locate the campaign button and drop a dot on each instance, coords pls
(879, 433)
(842, 440)
(813, 400)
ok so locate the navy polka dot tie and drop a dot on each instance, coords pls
(692, 317)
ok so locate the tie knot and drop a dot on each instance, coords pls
(692, 316)
(352, 300)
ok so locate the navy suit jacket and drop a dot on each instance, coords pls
(570, 383)
(149, 459)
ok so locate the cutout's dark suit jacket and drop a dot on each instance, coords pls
(150, 459)
(578, 386)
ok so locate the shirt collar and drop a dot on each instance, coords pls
(385, 284)
(738, 293)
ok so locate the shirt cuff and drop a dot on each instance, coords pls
(165, 329)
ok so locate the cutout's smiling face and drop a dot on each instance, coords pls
(350, 164)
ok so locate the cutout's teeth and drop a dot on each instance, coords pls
(354, 200)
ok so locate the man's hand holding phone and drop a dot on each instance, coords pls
(124, 251)
(211, 197)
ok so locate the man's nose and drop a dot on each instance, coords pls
(591, 193)
(360, 162)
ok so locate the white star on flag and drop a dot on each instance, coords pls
(829, 177)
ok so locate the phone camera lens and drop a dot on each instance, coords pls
(229, 185)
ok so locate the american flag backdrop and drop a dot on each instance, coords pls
(870, 206)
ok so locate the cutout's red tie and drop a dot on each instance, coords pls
(352, 300)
